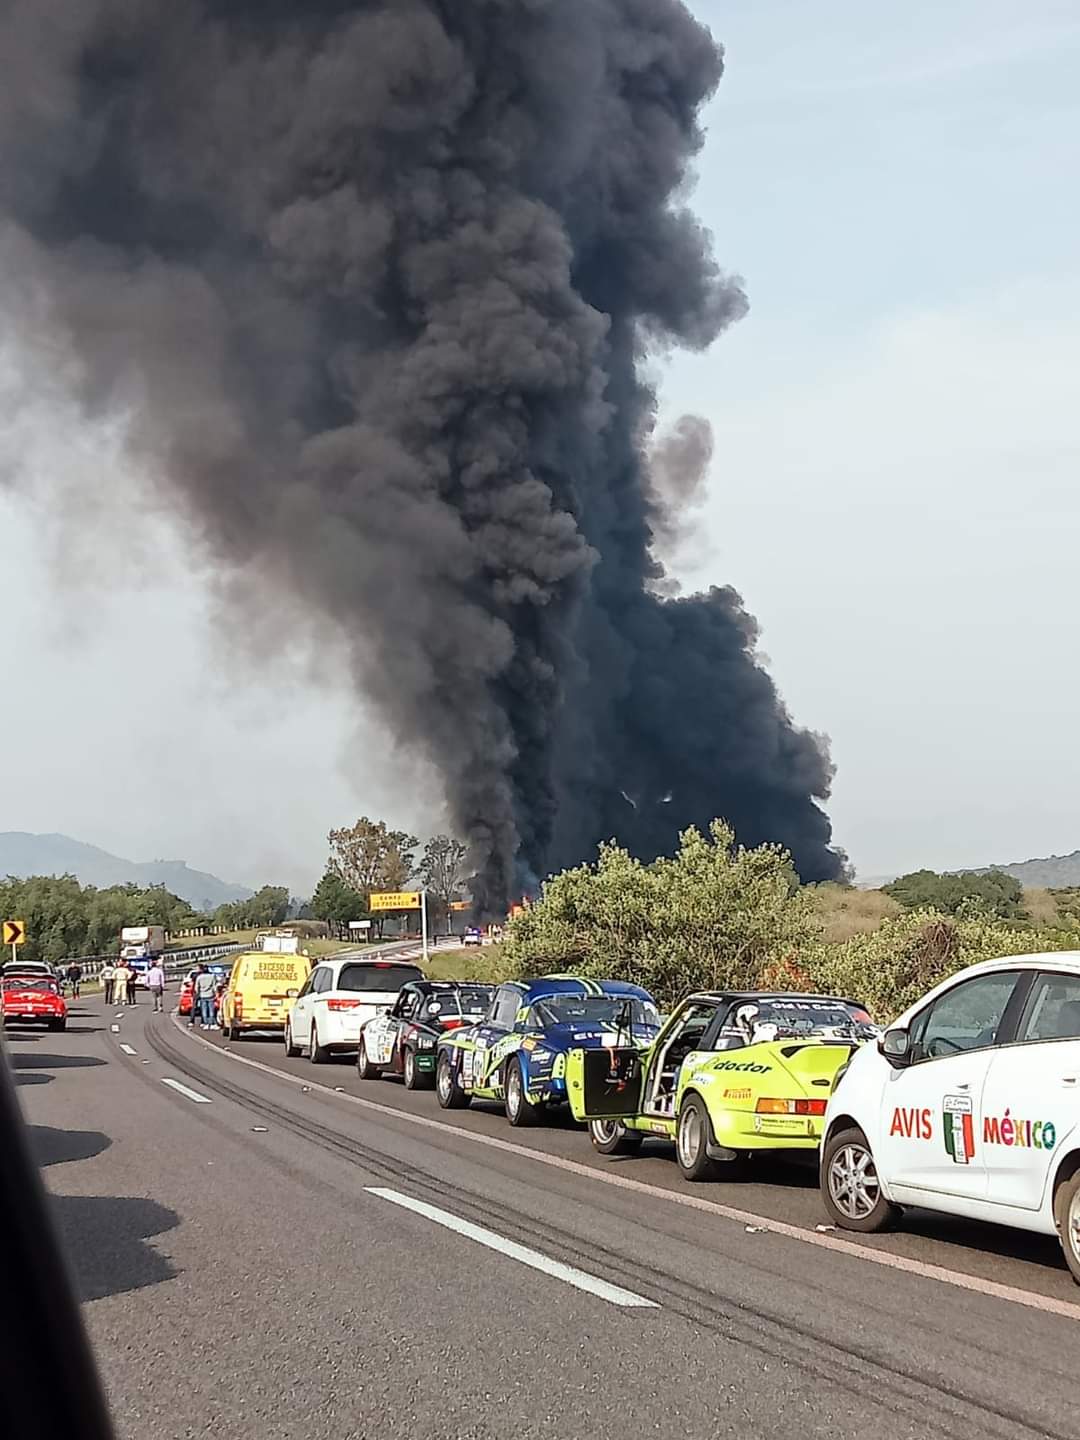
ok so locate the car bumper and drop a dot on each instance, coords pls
(746, 1130)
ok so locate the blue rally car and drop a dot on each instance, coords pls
(517, 1054)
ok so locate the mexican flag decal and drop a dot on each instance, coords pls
(959, 1127)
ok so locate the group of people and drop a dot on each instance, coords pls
(120, 980)
(204, 992)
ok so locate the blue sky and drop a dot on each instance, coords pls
(894, 488)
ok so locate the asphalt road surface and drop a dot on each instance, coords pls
(261, 1254)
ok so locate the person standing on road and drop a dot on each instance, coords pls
(108, 980)
(74, 975)
(120, 978)
(131, 978)
(155, 983)
(204, 997)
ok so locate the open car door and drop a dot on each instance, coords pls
(605, 1083)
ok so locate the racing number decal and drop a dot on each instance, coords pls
(383, 1041)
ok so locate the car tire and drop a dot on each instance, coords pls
(1067, 1217)
(57, 1024)
(232, 1032)
(611, 1137)
(291, 1050)
(850, 1188)
(692, 1135)
(519, 1110)
(317, 1054)
(447, 1089)
(414, 1079)
(364, 1068)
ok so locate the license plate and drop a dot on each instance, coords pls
(273, 1003)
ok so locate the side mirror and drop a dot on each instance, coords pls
(895, 1045)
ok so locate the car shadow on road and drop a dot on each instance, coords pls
(104, 1239)
(29, 1067)
(1044, 1250)
(51, 1146)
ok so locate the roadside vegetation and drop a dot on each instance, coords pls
(716, 914)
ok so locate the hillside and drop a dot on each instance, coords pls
(22, 854)
(1055, 872)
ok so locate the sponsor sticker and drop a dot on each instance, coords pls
(1021, 1134)
(746, 1067)
(959, 1128)
(911, 1123)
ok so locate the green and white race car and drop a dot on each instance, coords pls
(729, 1075)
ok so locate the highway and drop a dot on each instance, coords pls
(270, 1248)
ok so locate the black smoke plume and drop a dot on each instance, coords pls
(373, 282)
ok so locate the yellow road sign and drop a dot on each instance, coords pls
(396, 900)
(14, 932)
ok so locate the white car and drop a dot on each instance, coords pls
(338, 997)
(968, 1104)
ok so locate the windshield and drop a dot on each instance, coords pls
(753, 1021)
(593, 1010)
(379, 978)
(450, 1004)
(30, 982)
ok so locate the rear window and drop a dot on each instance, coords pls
(447, 1004)
(377, 977)
(30, 982)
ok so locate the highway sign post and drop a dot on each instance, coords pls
(14, 935)
(404, 900)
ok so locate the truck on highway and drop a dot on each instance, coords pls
(142, 942)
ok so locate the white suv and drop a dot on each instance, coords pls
(339, 997)
(969, 1104)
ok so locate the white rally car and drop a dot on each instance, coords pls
(969, 1104)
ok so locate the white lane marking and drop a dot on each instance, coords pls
(183, 1090)
(957, 1278)
(127, 1049)
(613, 1294)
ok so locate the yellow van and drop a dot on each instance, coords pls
(261, 990)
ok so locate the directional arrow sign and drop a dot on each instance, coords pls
(14, 932)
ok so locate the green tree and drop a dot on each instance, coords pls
(337, 902)
(993, 893)
(369, 857)
(713, 915)
(442, 872)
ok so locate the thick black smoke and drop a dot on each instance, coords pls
(374, 281)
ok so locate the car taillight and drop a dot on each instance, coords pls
(453, 1023)
(342, 1004)
(790, 1107)
(238, 1003)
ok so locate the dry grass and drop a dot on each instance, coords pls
(845, 912)
(483, 964)
(1042, 907)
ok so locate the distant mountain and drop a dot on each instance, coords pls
(22, 854)
(1056, 872)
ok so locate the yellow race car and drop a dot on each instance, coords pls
(730, 1074)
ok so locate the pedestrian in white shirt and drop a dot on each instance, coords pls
(155, 983)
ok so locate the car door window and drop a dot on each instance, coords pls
(321, 982)
(405, 1008)
(967, 1017)
(1052, 1011)
(505, 1008)
(305, 989)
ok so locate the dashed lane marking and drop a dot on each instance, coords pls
(183, 1090)
(580, 1279)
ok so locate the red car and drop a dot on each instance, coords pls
(32, 1000)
